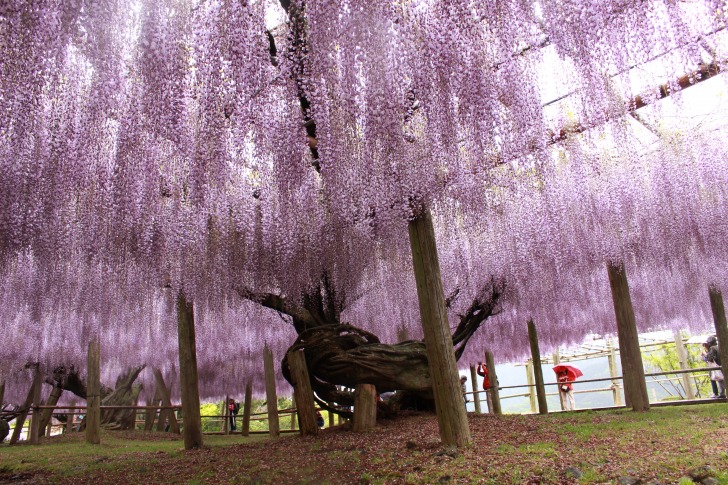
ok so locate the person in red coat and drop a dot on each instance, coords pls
(482, 370)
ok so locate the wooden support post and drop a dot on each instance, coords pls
(682, 357)
(531, 385)
(494, 393)
(52, 400)
(633, 371)
(537, 370)
(365, 407)
(451, 415)
(166, 416)
(189, 385)
(721, 327)
(2, 393)
(331, 419)
(557, 361)
(93, 393)
(150, 415)
(270, 393)
(476, 396)
(20, 419)
(247, 407)
(612, 360)
(303, 393)
(35, 420)
(294, 412)
(226, 415)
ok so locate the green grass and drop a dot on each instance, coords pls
(68, 456)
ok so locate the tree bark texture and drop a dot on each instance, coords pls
(721, 327)
(166, 416)
(303, 394)
(537, 370)
(52, 400)
(150, 415)
(494, 392)
(365, 408)
(270, 393)
(189, 390)
(449, 406)
(93, 393)
(633, 372)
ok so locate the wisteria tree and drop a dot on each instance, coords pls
(187, 148)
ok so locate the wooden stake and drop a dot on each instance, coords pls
(365, 407)
(189, 390)
(303, 393)
(537, 370)
(247, 407)
(20, 419)
(166, 416)
(682, 357)
(451, 416)
(612, 360)
(476, 396)
(531, 386)
(494, 393)
(331, 419)
(93, 393)
(2, 393)
(721, 327)
(270, 393)
(633, 371)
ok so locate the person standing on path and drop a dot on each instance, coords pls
(566, 391)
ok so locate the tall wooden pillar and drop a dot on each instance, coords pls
(166, 416)
(612, 360)
(303, 393)
(721, 328)
(682, 358)
(476, 396)
(189, 390)
(93, 393)
(531, 385)
(633, 372)
(270, 393)
(537, 370)
(365, 407)
(247, 407)
(35, 421)
(494, 392)
(451, 416)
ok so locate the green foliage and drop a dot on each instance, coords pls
(664, 358)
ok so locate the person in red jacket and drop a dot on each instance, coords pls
(566, 391)
(482, 370)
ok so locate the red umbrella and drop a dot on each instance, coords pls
(572, 372)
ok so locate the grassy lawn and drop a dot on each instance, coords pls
(662, 445)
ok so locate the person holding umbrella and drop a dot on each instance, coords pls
(566, 374)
